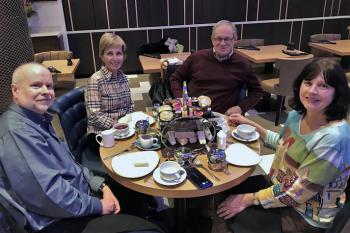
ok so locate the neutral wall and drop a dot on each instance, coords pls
(190, 21)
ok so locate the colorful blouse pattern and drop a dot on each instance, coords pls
(310, 171)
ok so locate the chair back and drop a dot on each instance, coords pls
(289, 69)
(52, 55)
(319, 37)
(71, 111)
(248, 42)
(8, 223)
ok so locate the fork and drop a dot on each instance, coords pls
(122, 152)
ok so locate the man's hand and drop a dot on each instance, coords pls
(110, 203)
(233, 110)
(234, 204)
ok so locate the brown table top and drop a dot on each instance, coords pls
(267, 53)
(186, 189)
(152, 65)
(341, 48)
(61, 65)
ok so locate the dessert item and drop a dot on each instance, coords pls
(204, 101)
(166, 115)
(165, 108)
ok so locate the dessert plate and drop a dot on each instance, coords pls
(241, 155)
(132, 118)
(125, 164)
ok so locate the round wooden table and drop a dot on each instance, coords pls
(186, 189)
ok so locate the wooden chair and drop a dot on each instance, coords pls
(60, 86)
(52, 55)
(281, 85)
(247, 42)
(319, 37)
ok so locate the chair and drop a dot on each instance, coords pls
(161, 90)
(247, 42)
(8, 223)
(71, 111)
(52, 55)
(60, 86)
(319, 37)
(289, 69)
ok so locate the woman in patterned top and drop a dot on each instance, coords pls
(312, 161)
(107, 95)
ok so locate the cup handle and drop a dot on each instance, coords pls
(155, 140)
(178, 176)
(97, 136)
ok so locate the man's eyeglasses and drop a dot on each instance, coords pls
(226, 40)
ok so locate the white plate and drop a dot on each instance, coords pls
(159, 180)
(131, 132)
(136, 116)
(253, 138)
(241, 155)
(124, 165)
(154, 146)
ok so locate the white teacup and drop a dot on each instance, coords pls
(170, 171)
(147, 140)
(245, 131)
(121, 129)
(107, 138)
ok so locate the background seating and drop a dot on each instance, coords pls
(320, 37)
(60, 86)
(281, 85)
(71, 111)
(248, 42)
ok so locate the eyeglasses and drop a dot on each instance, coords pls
(219, 39)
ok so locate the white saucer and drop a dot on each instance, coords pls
(253, 138)
(154, 146)
(159, 180)
(131, 132)
(132, 118)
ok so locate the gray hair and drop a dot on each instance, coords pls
(225, 22)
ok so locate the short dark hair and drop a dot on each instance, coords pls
(335, 77)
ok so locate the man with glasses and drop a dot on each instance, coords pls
(219, 73)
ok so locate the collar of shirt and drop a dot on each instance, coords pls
(220, 59)
(108, 74)
(33, 116)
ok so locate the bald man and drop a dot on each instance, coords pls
(46, 189)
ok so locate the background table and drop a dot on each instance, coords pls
(67, 72)
(152, 65)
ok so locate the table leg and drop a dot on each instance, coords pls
(180, 214)
(268, 69)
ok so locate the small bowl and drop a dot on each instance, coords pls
(245, 131)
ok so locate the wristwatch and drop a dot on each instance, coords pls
(99, 191)
(256, 200)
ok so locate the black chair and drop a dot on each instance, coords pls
(8, 223)
(71, 111)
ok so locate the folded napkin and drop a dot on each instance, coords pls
(293, 53)
(248, 47)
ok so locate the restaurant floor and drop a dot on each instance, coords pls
(139, 85)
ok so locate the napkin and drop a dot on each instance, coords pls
(264, 165)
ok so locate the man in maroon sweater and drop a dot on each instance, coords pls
(219, 73)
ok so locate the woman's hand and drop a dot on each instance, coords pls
(233, 110)
(111, 202)
(237, 119)
(234, 204)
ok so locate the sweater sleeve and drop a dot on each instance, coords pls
(182, 73)
(318, 167)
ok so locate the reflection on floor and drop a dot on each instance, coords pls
(139, 85)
